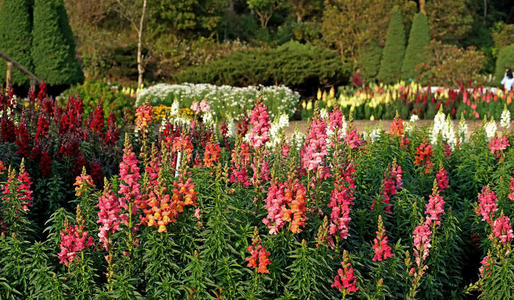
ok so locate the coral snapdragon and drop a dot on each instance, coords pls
(434, 208)
(129, 181)
(23, 189)
(143, 118)
(259, 119)
(315, 148)
(423, 155)
(74, 240)
(341, 200)
(486, 205)
(380, 247)
(502, 229)
(212, 154)
(345, 280)
(259, 257)
(442, 179)
(497, 145)
(511, 189)
(108, 215)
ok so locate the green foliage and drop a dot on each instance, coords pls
(369, 61)
(298, 66)
(450, 21)
(390, 67)
(416, 53)
(16, 37)
(505, 59)
(53, 47)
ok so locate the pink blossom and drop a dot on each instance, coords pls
(353, 140)
(204, 106)
(497, 145)
(434, 209)
(392, 184)
(502, 229)
(259, 134)
(73, 240)
(195, 107)
(484, 267)
(486, 205)
(315, 148)
(341, 199)
(129, 180)
(345, 281)
(380, 246)
(23, 189)
(442, 179)
(108, 215)
(421, 240)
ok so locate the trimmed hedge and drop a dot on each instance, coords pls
(16, 38)
(298, 66)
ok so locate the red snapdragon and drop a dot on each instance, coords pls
(423, 154)
(345, 280)
(380, 247)
(259, 257)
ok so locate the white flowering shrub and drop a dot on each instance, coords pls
(226, 102)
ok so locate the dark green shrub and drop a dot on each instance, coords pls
(505, 59)
(53, 47)
(302, 67)
(390, 67)
(369, 61)
(16, 38)
(417, 51)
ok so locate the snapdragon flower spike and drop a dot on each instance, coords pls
(143, 118)
(423, 154)
(442, 179)
(108, 215)
(259, 257)
(380, 246)
(511, 188)
(345, 280)
(422, 242)
(484, 267)
(240, 164)
(82, 183)
(434, 208)
(341, 199)
(129, 180)
(286, 202)
(23, 188)
(315, 148)
(397, 126)
(259, 119)
(502, 229)
(73, 240)
(497, 145)
(352, 139)
(486, 205)
(392, 184)
(212, 154)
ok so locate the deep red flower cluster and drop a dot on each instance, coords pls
(442, 179)
(392, 184)
(240, 164)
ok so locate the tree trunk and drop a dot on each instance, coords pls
(140, 68)
(8, 83)
(422, 7)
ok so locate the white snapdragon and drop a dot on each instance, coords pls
(463, 130)
(438, 126)
(297, 140)
(276, 131)
(409, 126)
(449, 134)
(490, 129)
(505, 118)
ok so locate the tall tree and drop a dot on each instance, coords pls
(16, 38)
(450, 21)
(264, 9)
(134, 12)
(369, 60)
(416, 53)
(390, 66)
(343, 23)
(53, 47)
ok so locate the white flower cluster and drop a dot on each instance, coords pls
(505, 118)
(227, 102)
(443, 127)
(276, 131)
(409, 126)
(490, 129)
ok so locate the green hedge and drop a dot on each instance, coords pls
(505, 59)
(298, 66)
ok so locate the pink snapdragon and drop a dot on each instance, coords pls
(421, 240)
(143, 118)
(341, 199)
(73, 240)
(380, 246)
(502, 229)
(315, 148)
(486, 205)
(129, 180)
(484, 267)
(108, 215)
(392, 184)
(442, 179)
(23, 189)
(497, 145)
(259, 119)
(345, 281)
(204, 106)
(353, 140)
(434, 208)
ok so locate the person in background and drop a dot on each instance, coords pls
(508, 79)
(356, 79)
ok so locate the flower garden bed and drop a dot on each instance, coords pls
(192, 210)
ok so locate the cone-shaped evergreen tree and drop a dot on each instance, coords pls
(16, 38)
(392, 56)
(369, 61)
(53, 47)
(416, 52)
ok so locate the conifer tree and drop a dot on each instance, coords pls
(15, 38)
(53, 47)
(369, 61)
(416, 53)
(392, 56)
